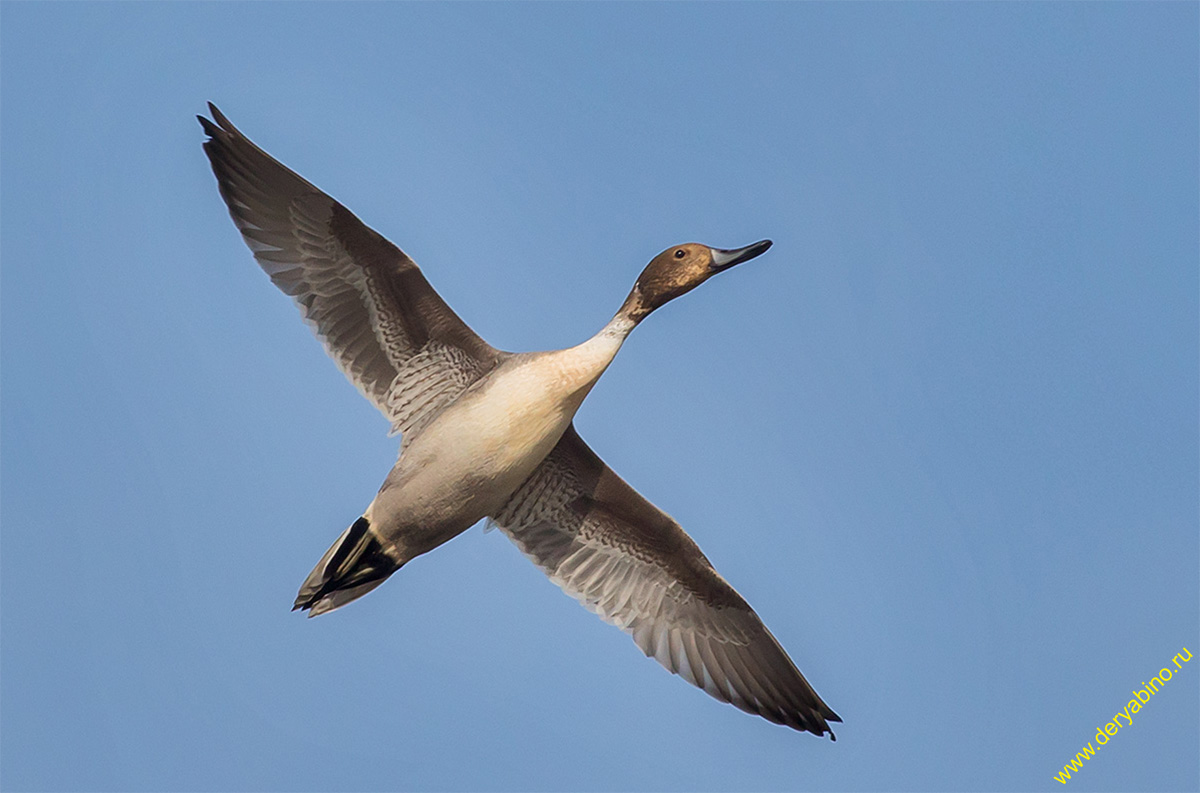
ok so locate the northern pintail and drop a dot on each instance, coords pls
(489, 434)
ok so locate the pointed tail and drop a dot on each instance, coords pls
(352, 567)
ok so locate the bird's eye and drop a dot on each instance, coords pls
(679, 253)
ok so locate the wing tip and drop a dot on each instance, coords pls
(210, 129)
(814, 719)
(800, 719)
(219, 124)
(824, 716)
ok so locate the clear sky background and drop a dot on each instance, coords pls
(943, 436)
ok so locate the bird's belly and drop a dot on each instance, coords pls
(468, 461)
(495, 443)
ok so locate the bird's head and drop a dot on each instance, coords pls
(680, 269)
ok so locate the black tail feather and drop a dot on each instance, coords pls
(357, 561)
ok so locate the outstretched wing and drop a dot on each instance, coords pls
(379, 319)
(631, 564)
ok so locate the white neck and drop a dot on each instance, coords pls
(605, 344)
(586, 362)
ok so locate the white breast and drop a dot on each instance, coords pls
(476, 452)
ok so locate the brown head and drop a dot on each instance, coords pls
(680, 269)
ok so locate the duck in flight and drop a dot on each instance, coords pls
(489, 434)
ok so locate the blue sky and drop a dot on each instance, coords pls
(943, 436)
